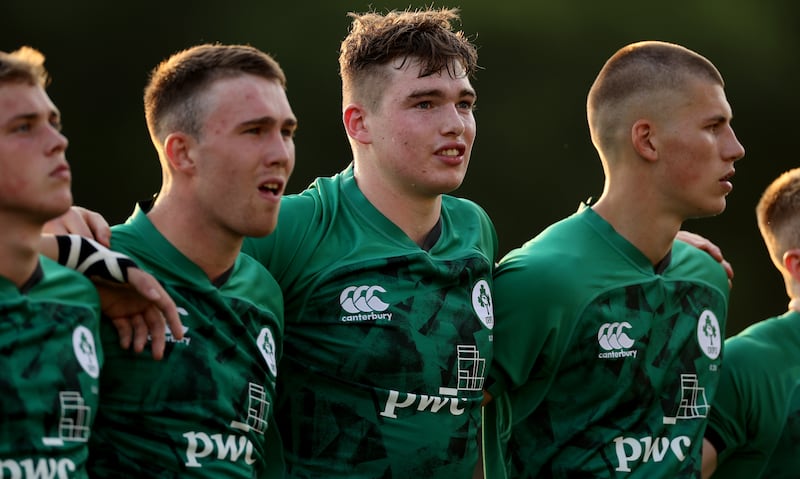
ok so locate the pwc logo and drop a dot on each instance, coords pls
(614, 340)
(631, 451)
(364, 303)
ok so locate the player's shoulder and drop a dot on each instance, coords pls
(53, 271)
(689, 257)
(547, 260)
(684, 251)
(457, 203)
(248, 266)
(464, 211)
(61, 283)
(250, 279)
(768, 336)
(136, 230)
(764, 348)
(559, 243)
(322, 197)
(693, 263)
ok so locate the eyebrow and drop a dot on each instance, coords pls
(24, 116)
(720, 119)
(34, 116)
(439, 93)
(268, 120)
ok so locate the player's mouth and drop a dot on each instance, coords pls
(272, 187)
(726, 180)
(452, 154)
(61, 172)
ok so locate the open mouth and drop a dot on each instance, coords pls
(272, 187)
(450, 152)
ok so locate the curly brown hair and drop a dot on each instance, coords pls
(376, 39)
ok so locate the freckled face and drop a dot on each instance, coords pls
(424, 129)
(35, 179)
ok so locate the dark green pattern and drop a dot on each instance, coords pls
(609, 366)
(205, 410)
(49, 400)
(377, 330)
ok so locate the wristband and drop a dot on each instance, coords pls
(89, 257)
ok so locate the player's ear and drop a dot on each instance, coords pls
(177, 148)
(354, 118)
(643, 139)
(791, 261)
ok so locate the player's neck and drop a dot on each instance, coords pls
(650, 231)
(208, 246)
(794, 304)
(19, 250)
(416, 216)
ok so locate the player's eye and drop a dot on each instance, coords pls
(466, 105)
(22, 127)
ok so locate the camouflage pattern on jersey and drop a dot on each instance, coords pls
(633, 395)
(205, 409)
(388, 346)
(611, 364)
(50, 361)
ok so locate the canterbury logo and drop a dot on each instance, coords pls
(362, 299)
(612, 336)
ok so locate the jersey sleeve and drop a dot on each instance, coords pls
(745, 413)
(733, 410)
(530, 331)
(529, 336)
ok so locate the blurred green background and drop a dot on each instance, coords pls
(533, 161)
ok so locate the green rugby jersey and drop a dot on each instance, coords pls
(755, 422)
(50, 360)
(387, 344)
(610, 365)
(206, 409)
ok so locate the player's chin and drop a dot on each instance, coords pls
(261, 227)
(714, 208)
(706, 207)
(450, 182)
(54, 207)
